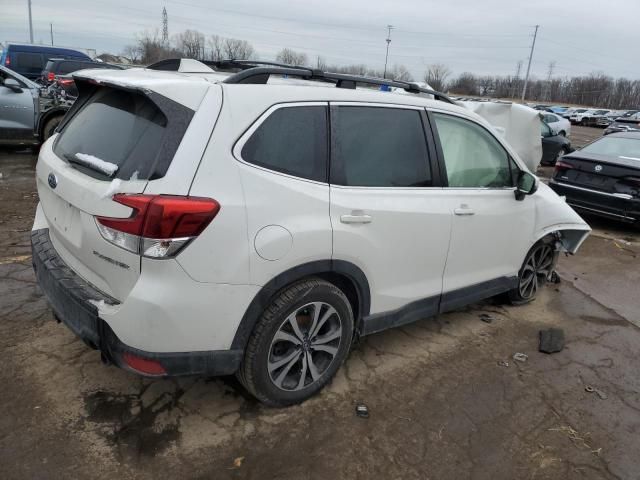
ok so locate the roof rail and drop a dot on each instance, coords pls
(260, 75)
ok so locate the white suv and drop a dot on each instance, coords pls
(259, 225)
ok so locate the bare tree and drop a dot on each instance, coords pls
(436, 76)
(215, 45)
(400, 73)
(237, 49)
(291, 57)
(151, 48)
(132, 52)
(190, 43)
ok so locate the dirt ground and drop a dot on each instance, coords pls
(446, 398)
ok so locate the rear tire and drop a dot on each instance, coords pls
(298, 343)
(50, 127)
(536, 269)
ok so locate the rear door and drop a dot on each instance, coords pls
(115, 143)
(388, 213)
(491, 230)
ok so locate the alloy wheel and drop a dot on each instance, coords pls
(536, 270)
(304, 346)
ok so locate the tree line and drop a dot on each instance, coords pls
(149, 47)
(596, 89)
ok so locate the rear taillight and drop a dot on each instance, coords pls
(160, 225)
(65, 82)
(51, 76)
(7, 61)
(635, 181)
(562, 166)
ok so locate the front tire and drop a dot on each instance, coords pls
(534, 273)
(298, 343)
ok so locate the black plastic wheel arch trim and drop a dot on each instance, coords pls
(264, 297)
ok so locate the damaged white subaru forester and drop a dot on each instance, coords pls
(257, 224)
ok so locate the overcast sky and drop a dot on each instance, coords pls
(479, 36)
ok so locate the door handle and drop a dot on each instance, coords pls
(464, 210)
(356, 218)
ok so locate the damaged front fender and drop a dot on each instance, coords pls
(555, 217)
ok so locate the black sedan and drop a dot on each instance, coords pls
(553, 146)
(603, 178)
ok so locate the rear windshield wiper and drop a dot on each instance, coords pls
(93, 163)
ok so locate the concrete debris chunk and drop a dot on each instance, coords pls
(551, 340)
(520, 357)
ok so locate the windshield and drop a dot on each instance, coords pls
(116, 134)
(628, 148)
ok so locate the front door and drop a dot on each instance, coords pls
(17, 116)
(389, 216)
(491, 229)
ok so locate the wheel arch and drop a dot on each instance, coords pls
(45, 117)
(345, 275)
(568, 236)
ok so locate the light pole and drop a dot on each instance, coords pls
(30, 23)
(386, 58)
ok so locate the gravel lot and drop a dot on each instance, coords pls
(441, 404)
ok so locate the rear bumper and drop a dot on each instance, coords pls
(74, 302)
(603, 204)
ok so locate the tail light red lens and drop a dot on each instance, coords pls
(51, 76)
(159, 225)
(65, 82)
(143, 365)
(7, 61)
(560, 165)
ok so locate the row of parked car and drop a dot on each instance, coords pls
(37, 89)
(591, 117)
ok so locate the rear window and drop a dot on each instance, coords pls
(628, 148)
(122, 128)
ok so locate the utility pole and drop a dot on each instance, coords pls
(30, 23)
(165, 26)
(533, 46)
(51, 31)
(386, 58)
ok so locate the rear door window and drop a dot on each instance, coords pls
(379, 147)
(124, 129)
(292, 140)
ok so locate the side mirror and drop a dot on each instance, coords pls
(527, 185)
(13, 85)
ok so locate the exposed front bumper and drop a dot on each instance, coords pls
(620, 207)
(74, 302)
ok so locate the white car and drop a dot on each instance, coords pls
(558, 125)
(188, 225)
